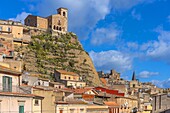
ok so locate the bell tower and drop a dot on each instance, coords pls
(63, 12)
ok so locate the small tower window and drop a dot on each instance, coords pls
(28, 20)
(54, 27)
(64, 13)
(59, 28)
(59, 22)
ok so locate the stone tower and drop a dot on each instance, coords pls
(63, 12)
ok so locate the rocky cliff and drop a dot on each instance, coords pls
(46, 53)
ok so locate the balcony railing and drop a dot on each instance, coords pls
(16, 89)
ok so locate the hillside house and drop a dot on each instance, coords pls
(70, 79)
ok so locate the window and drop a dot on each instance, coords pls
(61, 111)
(71, 110)
(155, 103)
(7, 84)
(133, 85)
(54, 27)
(69, 78)
(64, 13)
(21, 109)
(59, 22)
(0, 28)
(81, 110)
(36, 103)
(65, 77)
(28, 20)
(59, 28)
(159, 101)
(9, 29)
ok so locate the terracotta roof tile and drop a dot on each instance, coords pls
(66, 72)
(103, 81)
(111, 103)
(81, 91)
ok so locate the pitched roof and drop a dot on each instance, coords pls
(7, 70)
(66, 72)
(73, 101)
(81, 90)
(56, 83)
(103, 81)
(111, 103)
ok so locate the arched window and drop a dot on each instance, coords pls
(59, 28)
(59, 22)
(54, 27)
(64, 13)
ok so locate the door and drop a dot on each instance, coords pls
(21, 109)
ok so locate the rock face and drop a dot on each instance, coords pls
(46, 53)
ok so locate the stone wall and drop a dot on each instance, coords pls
(160, 103)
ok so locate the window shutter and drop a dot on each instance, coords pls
(21, 109)
(10, 84)
(4, 83)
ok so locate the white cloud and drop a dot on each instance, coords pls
(135, 15)
(159, 49)
(133, 45)
(20, 17)
(162, 84)
(112, 59)
(84, 14)
(104, 36)
(147, 74)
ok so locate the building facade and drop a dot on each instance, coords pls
(55, 23)
(70, 79)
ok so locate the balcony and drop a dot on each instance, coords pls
(16, 89)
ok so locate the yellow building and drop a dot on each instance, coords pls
(72, 106)
(11, 27)
(68, 78)
(48, 105)
(14, 30)
(126, 104)
(147, 108)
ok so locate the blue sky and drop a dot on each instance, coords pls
(125, 35)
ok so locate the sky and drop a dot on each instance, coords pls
(125, 35)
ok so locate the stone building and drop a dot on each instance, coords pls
(160, 103)
(54, 23)
(70, 79)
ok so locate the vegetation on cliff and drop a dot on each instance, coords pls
(46, 53)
